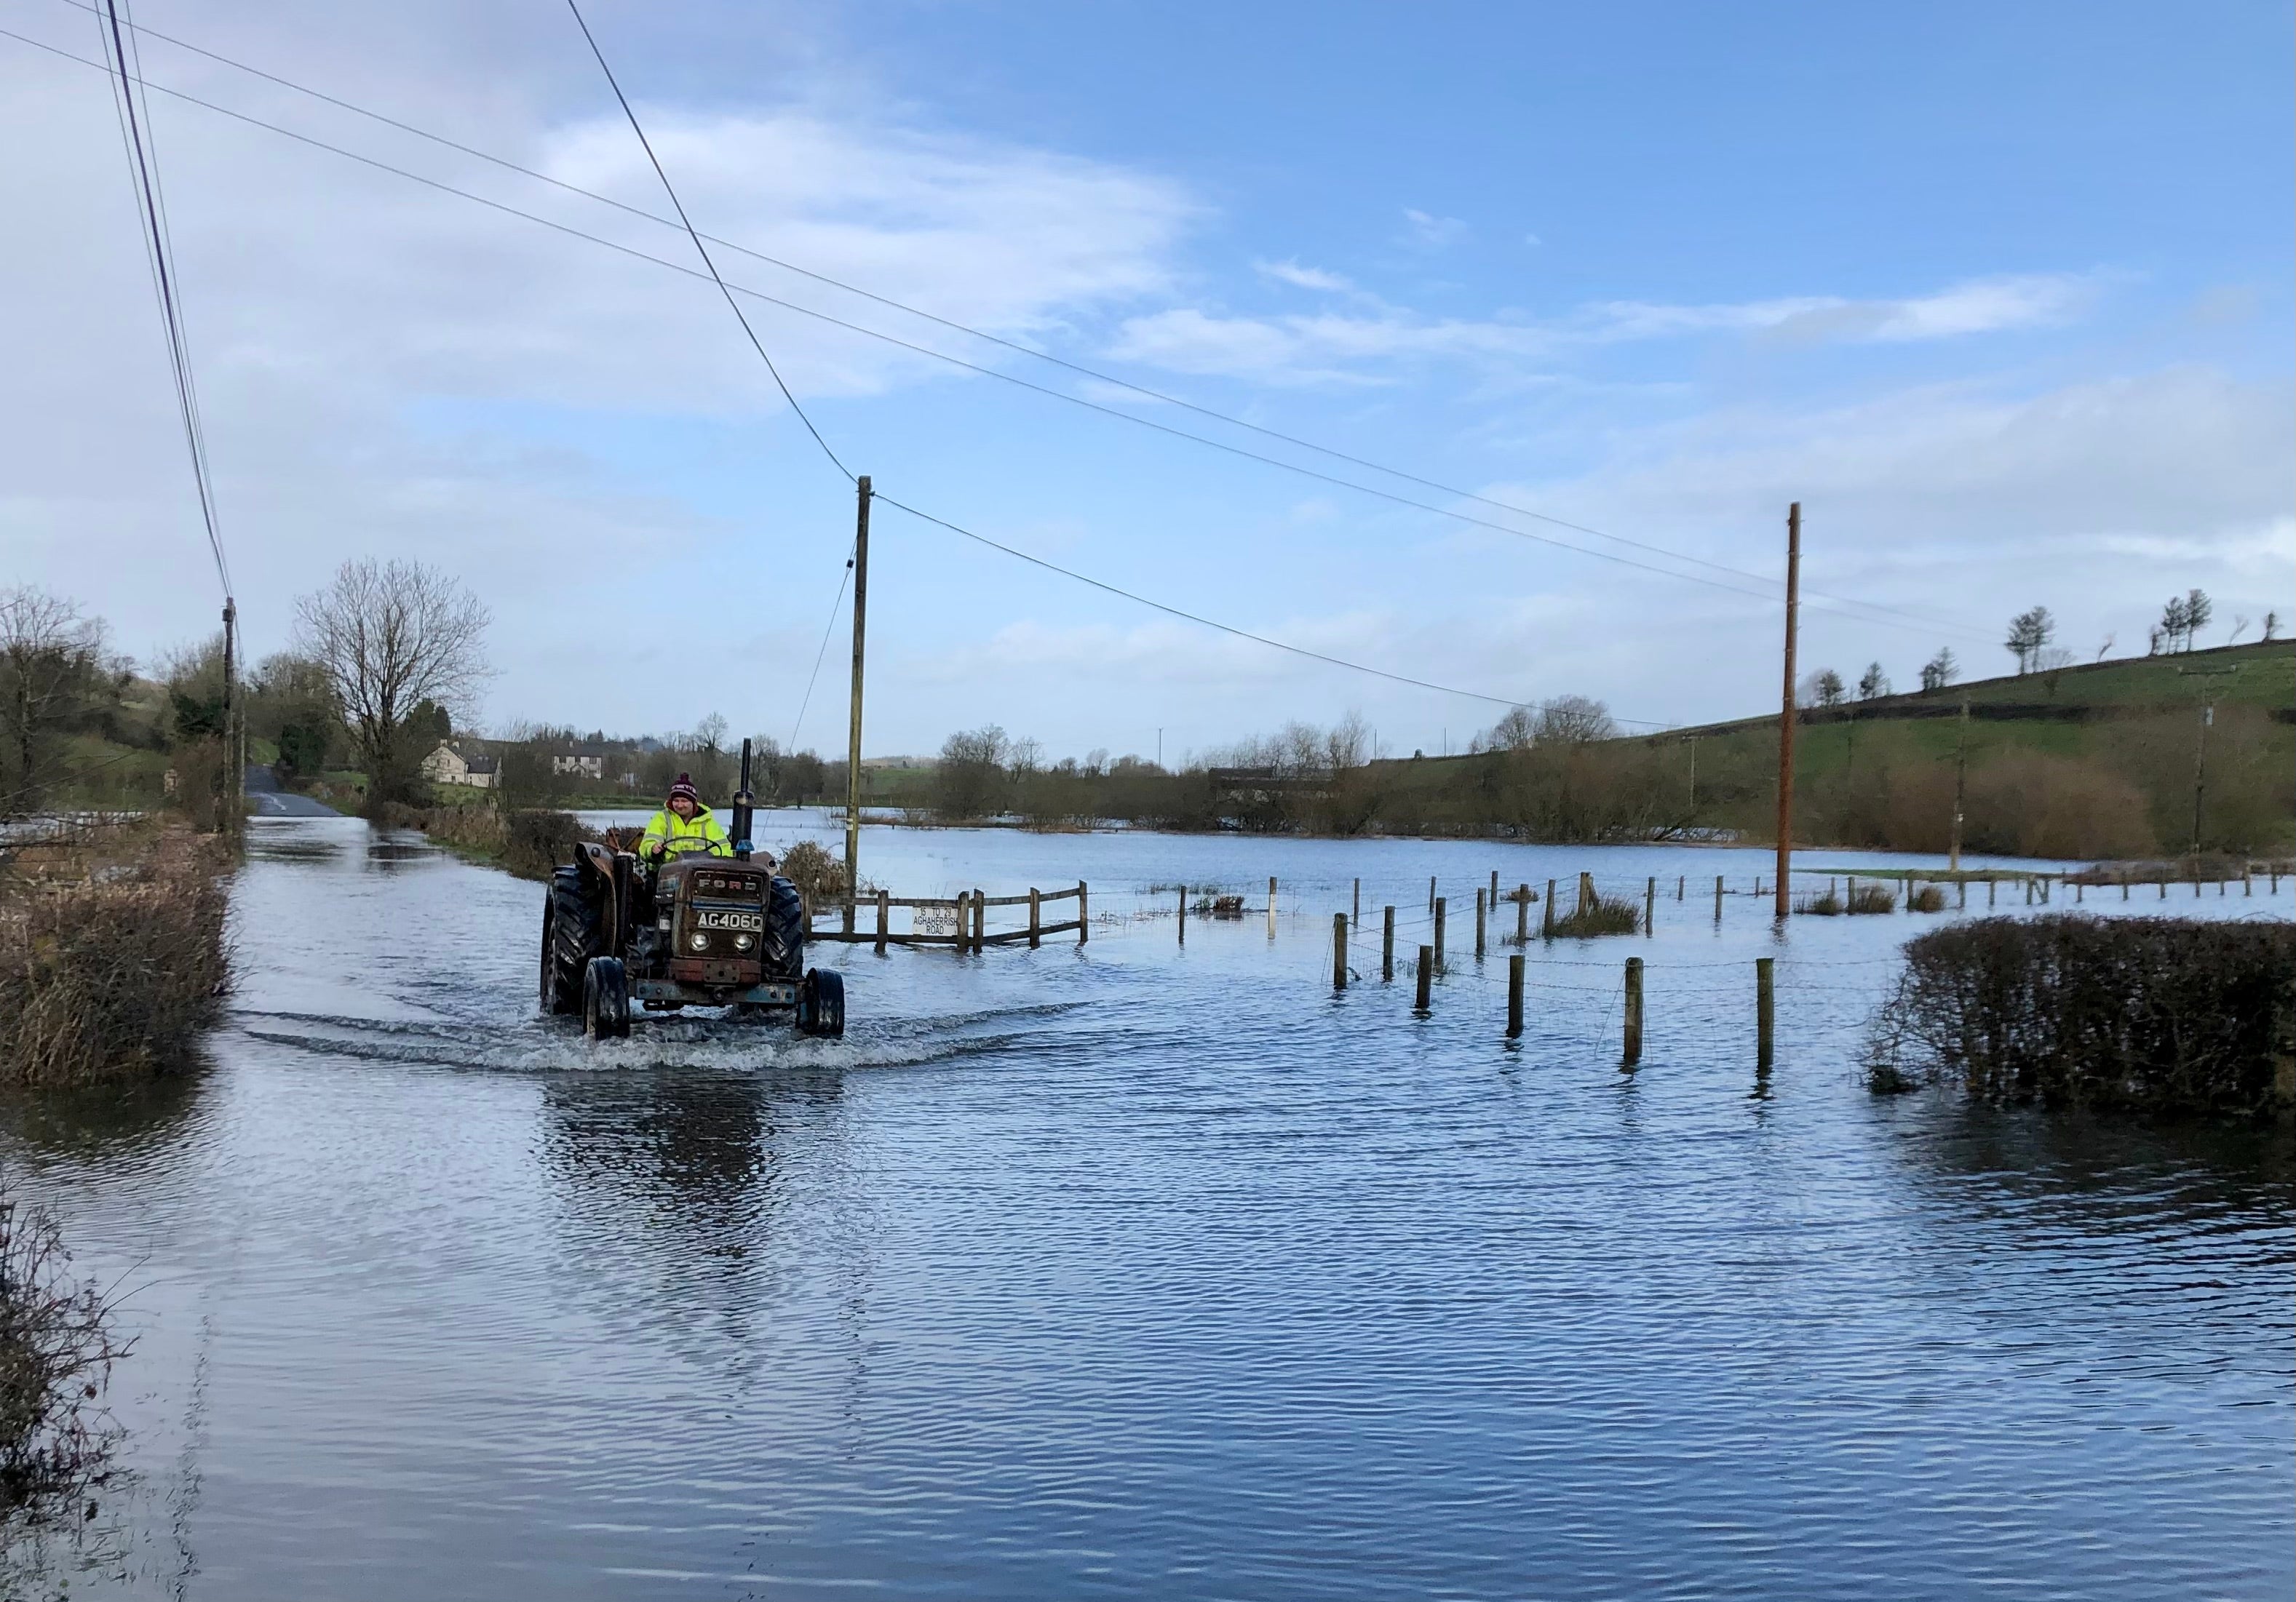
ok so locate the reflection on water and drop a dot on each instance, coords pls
(1143, 1269)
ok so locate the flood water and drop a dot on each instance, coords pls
(1143, 1269)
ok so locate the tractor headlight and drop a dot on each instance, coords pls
(701, 942)
(743, 942)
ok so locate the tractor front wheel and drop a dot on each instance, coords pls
(605, 998)
(821, 1004)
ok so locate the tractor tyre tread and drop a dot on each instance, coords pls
(784, 943)
(577, 924)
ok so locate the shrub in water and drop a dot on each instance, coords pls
(819, 877)
(1929, 898)
(2156, 1014)
(1595, 916)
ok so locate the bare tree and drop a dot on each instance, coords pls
(390, 635)
(2104, 649)
(51, 663)
(1874, 683)
(2029, 632)
(1824, 688)
(2271, 626)
(1574, 720)
(2239, 627)
(1939, 670)
(2197, 610)
(2173, 623)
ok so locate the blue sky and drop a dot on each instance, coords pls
(2002, 294)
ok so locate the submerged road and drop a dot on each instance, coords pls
(272, 801)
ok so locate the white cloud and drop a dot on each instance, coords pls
(1979, 306)
(1304, 278)
(1433, 232)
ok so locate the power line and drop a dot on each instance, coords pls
(835, 607)
(1225, 628)
(1146, 392)
(671, 191)
(143, 162)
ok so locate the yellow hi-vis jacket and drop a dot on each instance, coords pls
(674, 835)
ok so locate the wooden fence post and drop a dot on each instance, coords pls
(1339, 951)
(962, 915)
(1355, 912)
(1430, 895)
(1962, 903)
(1634, 1019)
(1546, 919)
(1766, 1010)
(1084, 912)
(1036, 918)
(1184, 914)
(1681, 887)
(1424, 1004)
(884, 917)
(1387, 948)
(1514, 997)
(1522, 915)
(1479, 923)
(1992, 891)
(1717, 901)
(1586, 896)
(1442, 905)
(1495, 888)
(1649, 907)
(979, 920)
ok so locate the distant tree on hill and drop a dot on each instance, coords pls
(2029, 632)
(1825, 688)
(1939, 670)
(2271, 626)
(2106, 647)
(1875, 683)
(2198, 611)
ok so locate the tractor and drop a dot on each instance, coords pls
(699, 931)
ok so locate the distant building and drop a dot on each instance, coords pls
(589, 762)
(448, 765)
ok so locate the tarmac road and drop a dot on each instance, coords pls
(272, 801)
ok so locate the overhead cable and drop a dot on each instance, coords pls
(671, 191)
(143, 169)
(1210, 623)
(1146, 392)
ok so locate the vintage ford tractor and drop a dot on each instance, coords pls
(700, 931)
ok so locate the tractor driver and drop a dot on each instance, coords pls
(683, 825)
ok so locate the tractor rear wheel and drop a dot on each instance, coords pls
(784, 948)
(605, 998)
(573, 931)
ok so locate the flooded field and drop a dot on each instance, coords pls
(1151, 1270)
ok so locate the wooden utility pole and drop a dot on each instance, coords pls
(1786, 711)
(234, 799)
(1960, 782)
(853, 734)
(2201, 743)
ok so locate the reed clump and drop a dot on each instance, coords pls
(2155, 1014)
(57, 1346)
(113, 952)
(1595, 916)
(527, 842)
(1928, 898)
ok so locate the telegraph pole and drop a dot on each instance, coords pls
(2201, 741)
(853, 734)
(234, 799)
(1786, 711)
(1960, 782)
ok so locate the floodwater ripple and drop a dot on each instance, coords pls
(1140, 1269)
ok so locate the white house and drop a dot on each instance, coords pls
(587, 761)
(448, 765)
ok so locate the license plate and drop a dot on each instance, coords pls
(754, 922)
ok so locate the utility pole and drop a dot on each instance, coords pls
(2201, 741)
(1960, 783)
(234, 799)
(1694, 776)
(853, 735)
(1786, 711)
(1159, 750)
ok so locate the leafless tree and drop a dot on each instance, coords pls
(1939, 670)
(390, 635)
(1515, 731)
(2029, 632)
(51, 659)
(2104, 649)
(1574, 720)
(1874, 683)
(2271, 626)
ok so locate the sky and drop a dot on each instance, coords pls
(2001, 295)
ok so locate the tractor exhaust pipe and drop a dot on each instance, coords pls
(743, 801)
